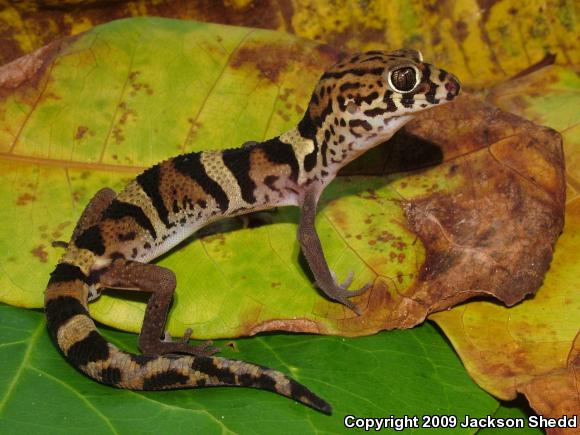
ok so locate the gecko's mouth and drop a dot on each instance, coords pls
(404, 118)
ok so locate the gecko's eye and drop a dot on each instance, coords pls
(403, 79)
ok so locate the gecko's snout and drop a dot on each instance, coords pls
(452, 87)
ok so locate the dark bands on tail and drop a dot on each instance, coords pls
(65, 272)
(302, 394)
(60, 309)
(75, 334)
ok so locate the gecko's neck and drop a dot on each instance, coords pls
(323, 148)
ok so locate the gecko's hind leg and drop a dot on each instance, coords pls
(160, 282)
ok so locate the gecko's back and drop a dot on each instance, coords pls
(171, 200)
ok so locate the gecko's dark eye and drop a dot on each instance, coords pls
(403, 79)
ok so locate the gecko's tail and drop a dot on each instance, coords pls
(75, 334)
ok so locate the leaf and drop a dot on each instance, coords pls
(414, 235)
(549, 97)
(399, 373)
(93, 111)
(533, 348)
(481, 41)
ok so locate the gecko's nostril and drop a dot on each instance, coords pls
(452, 86)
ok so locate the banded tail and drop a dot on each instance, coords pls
(75, 334)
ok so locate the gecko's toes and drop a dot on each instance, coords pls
(186, 335)
(205, 349)
(346, 284)
(339, 292)
(348, 281)
(169, 345)
(361, 290)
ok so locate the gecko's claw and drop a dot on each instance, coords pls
(181, 345)
(340, 293)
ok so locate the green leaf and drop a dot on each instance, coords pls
(413, 372)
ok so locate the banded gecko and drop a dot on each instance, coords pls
(357, 104)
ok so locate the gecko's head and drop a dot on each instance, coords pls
(364, 99)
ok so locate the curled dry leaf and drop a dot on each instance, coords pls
(533, 348)
(494, 234)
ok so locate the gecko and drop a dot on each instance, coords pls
(357, 104)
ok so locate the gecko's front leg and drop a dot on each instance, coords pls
(312, 249)
(160, 282)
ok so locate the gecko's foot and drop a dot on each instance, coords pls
(59, 244)
(203, 349)
(181, 345)
(339, 293)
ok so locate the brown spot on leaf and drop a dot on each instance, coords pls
(77, 195)
(268, 59)
(461, 31)
(400, 277)
(40, 253)
(271, 59)
(232, 345)
(25, 199)
(81, 132)
(283, 115)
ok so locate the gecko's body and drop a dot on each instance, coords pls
(356, 105)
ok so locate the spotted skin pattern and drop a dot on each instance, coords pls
(357, 104)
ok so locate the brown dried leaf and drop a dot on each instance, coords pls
(493, 235)
(534, 348)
